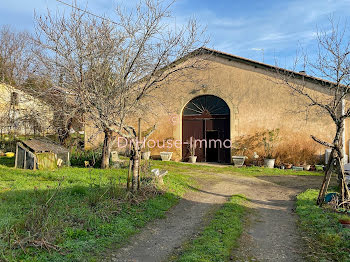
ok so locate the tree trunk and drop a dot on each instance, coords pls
(135, 171)
(337, 157)
(129, 175)
(344, 190)
(106, 150)
(326, 179)
(139, 171)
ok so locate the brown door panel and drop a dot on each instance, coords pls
(192, 128)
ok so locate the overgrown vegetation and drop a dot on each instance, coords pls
(287, 151)
(73, 214)
(78, 157)
(325, 236)
(218, 239)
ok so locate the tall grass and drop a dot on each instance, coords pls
(328, 240)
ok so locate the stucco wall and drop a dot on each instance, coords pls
(27, 107)
(256, 103)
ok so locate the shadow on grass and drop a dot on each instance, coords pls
(299, 182)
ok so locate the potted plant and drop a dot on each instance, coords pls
(288, 165)
(306, 166)
(238, 160)
(192, 149)
(146, 154)
(269, 140)
(166, 155)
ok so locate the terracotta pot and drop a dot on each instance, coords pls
(288, 166)
(344, 221)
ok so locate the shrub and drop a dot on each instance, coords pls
(78, 157)
(291, 148)
(297, 153)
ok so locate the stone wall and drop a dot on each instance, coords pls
(255, 100)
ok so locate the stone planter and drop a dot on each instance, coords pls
(146, 155)
(298, 168)
(166, 156)
(192, 159)
(306, 167)
(114, 156)
(269, 162)
(238, 161)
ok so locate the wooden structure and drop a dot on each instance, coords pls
(39, 154)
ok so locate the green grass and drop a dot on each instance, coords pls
(229, 169)
(89, 213)
(84, 211)
(328, 240)
(7, 161)
(218, 239)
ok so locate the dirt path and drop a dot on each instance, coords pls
(271, 235)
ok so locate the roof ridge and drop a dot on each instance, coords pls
(303, 75)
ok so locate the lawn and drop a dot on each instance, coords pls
(74, 214)
(328, 240)
(216, 242)
(229, 169)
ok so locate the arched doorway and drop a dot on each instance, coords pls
(206, 118)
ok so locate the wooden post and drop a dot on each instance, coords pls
(129, 175)
(16, 157)
(139, 153)
(25, 159)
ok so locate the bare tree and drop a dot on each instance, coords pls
(109, 68)
(15, 56)
(21, 112)
(333, 64)
(62, 107)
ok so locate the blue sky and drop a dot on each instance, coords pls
(238, 27)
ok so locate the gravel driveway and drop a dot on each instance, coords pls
(270, 235)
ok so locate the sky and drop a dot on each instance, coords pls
(265, 30)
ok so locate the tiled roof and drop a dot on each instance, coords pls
(256, 64)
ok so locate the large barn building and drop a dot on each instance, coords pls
(230, 98)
